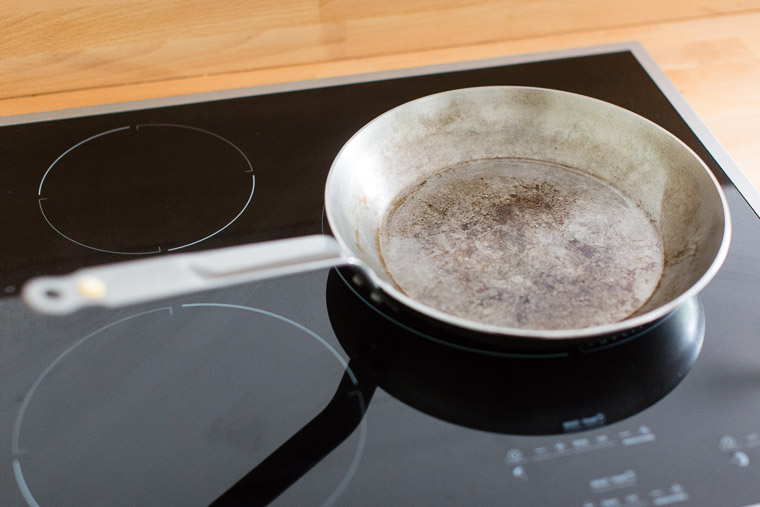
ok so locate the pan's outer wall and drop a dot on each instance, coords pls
(406, 145)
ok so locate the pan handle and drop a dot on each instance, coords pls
(131, 282)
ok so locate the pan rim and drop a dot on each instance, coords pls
(540, 334)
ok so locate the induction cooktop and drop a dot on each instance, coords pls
(302, 390)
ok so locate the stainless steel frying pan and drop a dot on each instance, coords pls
(502, 210)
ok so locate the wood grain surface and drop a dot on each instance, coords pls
(71, 53)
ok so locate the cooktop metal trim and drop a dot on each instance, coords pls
(732, 170)
(666, 86)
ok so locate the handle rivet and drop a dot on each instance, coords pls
(91, 287)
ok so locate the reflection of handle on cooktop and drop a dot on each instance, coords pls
(293, 459)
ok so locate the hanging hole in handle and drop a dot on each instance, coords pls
(53, 294)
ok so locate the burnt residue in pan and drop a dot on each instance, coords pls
(522, 243)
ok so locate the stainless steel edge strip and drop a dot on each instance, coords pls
(666, 86)
(308, 84)
(739, 179)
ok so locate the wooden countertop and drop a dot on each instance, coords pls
(71, 53)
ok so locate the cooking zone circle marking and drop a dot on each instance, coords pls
(16, 448)
(85, 206)
(20, 451)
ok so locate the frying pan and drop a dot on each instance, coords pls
(502, 211)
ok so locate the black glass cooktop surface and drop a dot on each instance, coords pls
(301, 390)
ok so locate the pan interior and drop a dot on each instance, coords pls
(521, 243)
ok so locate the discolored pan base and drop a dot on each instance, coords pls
(522, 243)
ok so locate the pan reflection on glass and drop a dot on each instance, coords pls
(518, 391)
(589, 384)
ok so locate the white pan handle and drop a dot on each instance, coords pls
(130, 282)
